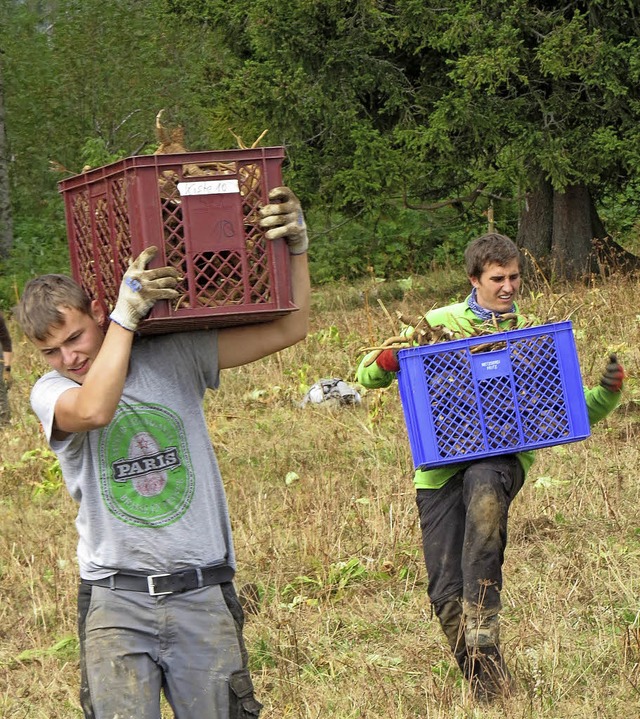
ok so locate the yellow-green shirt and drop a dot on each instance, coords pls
(459, 317)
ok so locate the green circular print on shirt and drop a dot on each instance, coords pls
(146, 475)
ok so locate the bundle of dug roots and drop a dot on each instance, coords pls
(420, 332)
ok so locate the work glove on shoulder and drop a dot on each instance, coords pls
(613, 376)
(283, 217)
(387, 360)
(141, 288)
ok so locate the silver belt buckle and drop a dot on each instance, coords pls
(151, 583)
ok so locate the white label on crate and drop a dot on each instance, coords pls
(491, 365)
(209, 187)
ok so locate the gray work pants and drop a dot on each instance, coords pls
(134, 646)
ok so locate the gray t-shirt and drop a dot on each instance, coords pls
(148, 486)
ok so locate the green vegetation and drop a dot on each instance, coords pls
(40, 247)
(328, 541)
(403, 123)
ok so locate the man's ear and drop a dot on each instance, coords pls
(97, 312)
(474, 281)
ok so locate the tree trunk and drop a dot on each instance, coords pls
(6, 223)
(535, 227)
(572, 232)
(562, 235)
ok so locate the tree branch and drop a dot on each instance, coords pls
(456, 202)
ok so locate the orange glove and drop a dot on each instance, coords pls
(388, 360)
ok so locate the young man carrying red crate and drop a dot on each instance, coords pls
(157, 606)
(464, 508)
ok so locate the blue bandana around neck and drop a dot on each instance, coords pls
(481, 312)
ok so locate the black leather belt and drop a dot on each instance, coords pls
(156, 584)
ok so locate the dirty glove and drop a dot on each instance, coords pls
(613, 376)
(285, 219)
(140, 288)
(388, 360)
(6, 376)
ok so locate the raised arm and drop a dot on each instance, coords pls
(241, 345)
(100, 364)
(93, 403)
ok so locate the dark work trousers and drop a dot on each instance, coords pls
(242, 703)
(464, 532)
(5, 411)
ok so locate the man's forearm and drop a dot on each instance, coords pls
(301, 296)
(94, 403)
(248, 343)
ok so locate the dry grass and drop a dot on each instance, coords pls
(323, 511)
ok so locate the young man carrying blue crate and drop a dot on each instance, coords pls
(464, 508)
(156, 605)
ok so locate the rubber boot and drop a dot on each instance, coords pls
(489, 676)
(449, 615)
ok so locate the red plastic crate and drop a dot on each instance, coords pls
(201, 210)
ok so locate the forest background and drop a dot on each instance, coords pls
(404, 122)
(406, 125)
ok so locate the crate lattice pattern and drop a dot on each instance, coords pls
(211, 279)
(535, 397)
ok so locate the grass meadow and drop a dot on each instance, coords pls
(328, 541)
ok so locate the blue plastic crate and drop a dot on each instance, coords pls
(496, 394)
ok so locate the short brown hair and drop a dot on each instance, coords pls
(39, 307)
(491, 248)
